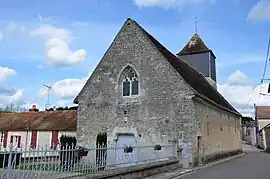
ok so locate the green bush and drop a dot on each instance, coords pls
(68, 141)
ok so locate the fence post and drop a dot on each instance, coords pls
(9, 172)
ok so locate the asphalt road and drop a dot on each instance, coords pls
(253, 165)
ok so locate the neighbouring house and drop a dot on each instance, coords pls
(140, 93)
(262, 137)
(262, 116)
(267, 137)
(28, 130)
(249, 132)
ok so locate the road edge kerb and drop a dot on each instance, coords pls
(204, 166)
(219, 161)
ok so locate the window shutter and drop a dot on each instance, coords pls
(11, 139)
(34, 139)
(54, 139)
(19, 142)
(5, 138)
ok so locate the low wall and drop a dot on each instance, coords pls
(136, 172)
(220, 155)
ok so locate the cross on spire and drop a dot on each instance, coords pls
(196, 24)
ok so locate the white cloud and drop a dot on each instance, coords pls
(11, 28)
(238, 78)
(16, 98)
(9, 95)
(239, 91)
(260, 12)
(47, 31)
(66, 89)
(57, 46)
(6, 72)
(167, 4)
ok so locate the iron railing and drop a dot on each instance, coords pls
(64, 161)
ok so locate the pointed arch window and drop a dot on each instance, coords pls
(130, 83)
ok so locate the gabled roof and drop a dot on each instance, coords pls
(192, 77)
(196, 80)
(265, 127)
(195, 45)
(41, 121)
(263, 112)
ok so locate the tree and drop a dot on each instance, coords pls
(63, 108)
(246, 119)
(11, 108)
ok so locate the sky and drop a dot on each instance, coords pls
(59, 43)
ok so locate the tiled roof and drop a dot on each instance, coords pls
(263, 112)
(250, 124)
(196, 80)
(43, 121)
(195, 45)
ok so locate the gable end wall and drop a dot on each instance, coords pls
(163, 110)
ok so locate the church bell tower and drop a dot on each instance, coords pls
(200, 57)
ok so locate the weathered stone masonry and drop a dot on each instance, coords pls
(164, 104)
(164, 109)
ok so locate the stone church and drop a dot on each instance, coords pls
(142, 94)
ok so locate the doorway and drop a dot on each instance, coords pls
(126, 151)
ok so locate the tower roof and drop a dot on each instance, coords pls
(195, 45)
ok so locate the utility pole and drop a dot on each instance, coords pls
(47, 106)
(256, 125)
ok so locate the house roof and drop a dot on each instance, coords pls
(265, 127)
(263, 112)
(195, 45)
(42, 121)
(192, 77)
(196, 80)
(250, 124)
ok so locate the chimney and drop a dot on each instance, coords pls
(34, 108)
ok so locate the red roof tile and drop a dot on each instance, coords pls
(43, 121)
(263, 112)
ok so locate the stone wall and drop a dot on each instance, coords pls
(267, 138)
(137, 172)
(220, 132)
(162, 111)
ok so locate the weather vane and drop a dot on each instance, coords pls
(196, 24)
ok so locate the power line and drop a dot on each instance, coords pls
(264, 71)
(253, 92)
(263, 78)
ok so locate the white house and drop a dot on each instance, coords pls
(263, 116)
(249, 133)
(28, 130)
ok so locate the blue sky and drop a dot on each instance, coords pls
(60, 42)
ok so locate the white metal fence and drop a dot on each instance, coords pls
(61, 162)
